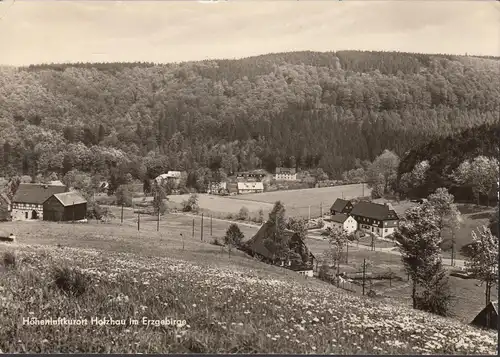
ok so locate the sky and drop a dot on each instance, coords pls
(44, 31)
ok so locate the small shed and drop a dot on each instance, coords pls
(488, 317)
(67, 206)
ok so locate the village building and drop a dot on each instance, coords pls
(487, 317)
(173, 177)
(285, 174)
(379, 219)
(66, 206)
(343, 222)
(217, 188)
(256, 247)
(341, 206)
(251, 176)
(28, 201)
(250, 187)
(56, 183)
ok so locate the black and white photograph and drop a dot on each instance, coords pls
(249, 177)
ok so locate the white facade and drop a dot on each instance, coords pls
(285, 176)
(380, 232)
(350, 225)
(215, 187)
(26, 211)
(250, 187)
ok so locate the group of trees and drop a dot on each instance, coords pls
(420, 239)
(300, 109)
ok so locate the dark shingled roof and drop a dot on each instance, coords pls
(285, 170)
(374, 210)
(339, 218)
(35, 193)
(339, 205)
(256, 243)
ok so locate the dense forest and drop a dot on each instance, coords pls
(303, 109)
(445, 156)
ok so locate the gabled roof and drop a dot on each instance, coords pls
(339, 218)
(495, 306)
(339, 205)
(35, 193)
(70, 198)
(256, 243)
(285, 170)
(250, 186)
(374, 211)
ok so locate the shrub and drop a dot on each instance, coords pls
(216, 242)
(243, 214)
(9, 260)
(71, 281)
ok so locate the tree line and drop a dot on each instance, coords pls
(306, 110)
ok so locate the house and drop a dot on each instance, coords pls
(379, 219)
(257, 247)
(342, 221)
(217, 188)
(5, 207)
(66, 206)
(285, 174)
(341, 206)
(255, 175)
(56, 183)
(28, 201)
(171, 176)
(250, 187)
(487, 317)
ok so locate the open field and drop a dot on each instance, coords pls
(229, 304)
(297, 202)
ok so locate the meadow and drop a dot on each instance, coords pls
(220, 305)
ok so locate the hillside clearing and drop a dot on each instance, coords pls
(218, 311)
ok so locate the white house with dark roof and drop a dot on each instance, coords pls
(342, 221)
(28, 201)
(250, 187)
(285, 174)
(379, 219)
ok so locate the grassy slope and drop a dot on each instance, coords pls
(229, 304)
(203, 287)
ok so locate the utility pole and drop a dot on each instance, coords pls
(364, 274)
(121, 216)
(193, 229)
(202, 226)
(338, 271)
(309, 212)
(211, 227)
(321, 208)
(347, 253)
(73, 208)
(138, 221)
(373, 241)
(452, 247)
(158, 221)
(363, 186)
(182, 241)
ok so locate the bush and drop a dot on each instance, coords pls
(216, 242)
(9, 260)
(243, 214)
(71, 281)
(233, 235)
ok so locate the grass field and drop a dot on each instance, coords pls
(230, 304)
(297, 202)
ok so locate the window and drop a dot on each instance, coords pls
(386, 230)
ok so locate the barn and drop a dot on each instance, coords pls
(487, 317)
(67, 206)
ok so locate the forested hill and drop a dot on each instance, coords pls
(445, 154)
(304, 109)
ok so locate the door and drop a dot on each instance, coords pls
(34, 214)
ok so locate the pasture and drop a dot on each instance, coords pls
(298, 202)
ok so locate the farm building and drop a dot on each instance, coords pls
(379, 219)
(250, 187)
(344, 222)
(256, 247)
(217, 188)
(56, 183)
(488, 317)
(29, 198)
(172, 176)
(255, 175)
(5, 207)
(341, 206)
(285, 174)
(66, 206)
